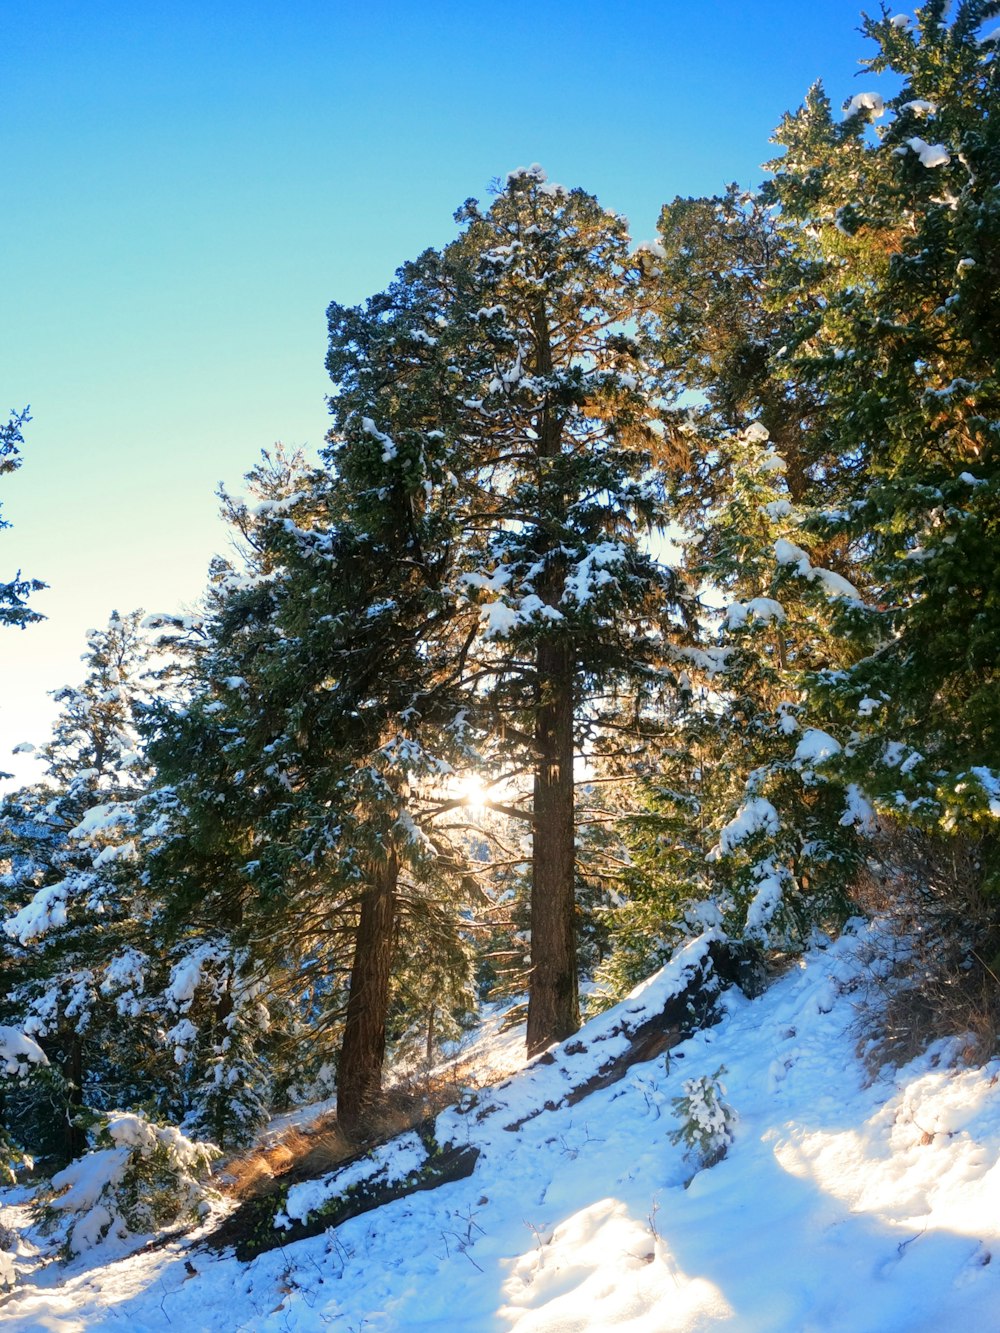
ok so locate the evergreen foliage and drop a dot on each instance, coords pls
(14, 609)
(295, 826)
(139, 1177)
(901, 343)
(269, 855)
(78, 925)
(555, 414)
(707, 1121)
(839, 394)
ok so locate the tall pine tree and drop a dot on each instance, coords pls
(549, 434)
(901, 200)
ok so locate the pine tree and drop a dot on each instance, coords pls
(217, 795)
(77, 916)
(786, 845)
(721, 330)
(902, 345)
(13, 595)
(736, 828)
(557, 429)
(497, 400)
(295, 773)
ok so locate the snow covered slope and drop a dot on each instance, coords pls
(840, 1207)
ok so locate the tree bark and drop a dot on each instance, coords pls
(553, 1002)
(553, 998)
(359, 1078)
(76, 1137)
(429, 1049)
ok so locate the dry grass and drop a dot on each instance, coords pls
(940, 978)
(258, 1171)
(320, 1146)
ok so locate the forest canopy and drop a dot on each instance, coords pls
(639, 591)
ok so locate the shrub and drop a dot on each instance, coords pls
(8, 1247)
(933, 971)
(706, 1120)
(141, 1177)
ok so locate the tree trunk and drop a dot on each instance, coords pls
(429, 1052)
(553, 999)
(76, 1137)
(359, 1078)
(553, 1002)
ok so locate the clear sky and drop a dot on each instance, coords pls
(187, 186)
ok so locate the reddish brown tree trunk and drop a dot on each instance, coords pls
(359, 1078)
(553, 1003)
(553, 997)
(76, 1137)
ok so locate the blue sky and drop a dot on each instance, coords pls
(188, 186)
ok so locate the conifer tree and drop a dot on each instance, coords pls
(218, 795)
(736, 826)
(557, 430)
(77, 918)
(13, 595)
(498, 391)
(294, 774)
(900, 199)
(847, 323)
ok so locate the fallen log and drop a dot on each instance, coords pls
(306, 1206)
(677, 1002)
(672, 1006)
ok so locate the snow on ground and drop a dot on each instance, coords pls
(842, 1205)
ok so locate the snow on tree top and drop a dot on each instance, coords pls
(764, 609)
(857, 809)
(389, 450)
(103, 818)
(766, 899)
(773, 462)
(537, 176)
(930, 154)
(990, 783)
(186, 975)
(833, 584)
(865, 102)
(18, 1051)
(499, 619)
(160, 619)
(592, 572)
(46, 911)
(84, 1180)
(815, 746)
(787, 553)
(755, 815)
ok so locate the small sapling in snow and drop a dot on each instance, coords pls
(706, 1120)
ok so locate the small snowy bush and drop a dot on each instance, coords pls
(706, 1120)
(141, 1178)
(20, 1058)
(8, 1245)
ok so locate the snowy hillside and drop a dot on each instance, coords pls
(842, 1204)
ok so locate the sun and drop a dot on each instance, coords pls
(470, 789)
